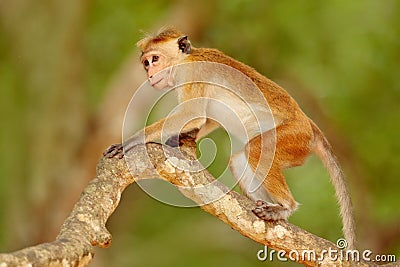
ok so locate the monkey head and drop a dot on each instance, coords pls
(166, 49)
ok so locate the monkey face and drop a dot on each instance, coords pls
(158, 73)
(153, 62)
(160, 55)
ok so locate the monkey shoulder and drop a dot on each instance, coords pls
(206, 54)
(277, 97)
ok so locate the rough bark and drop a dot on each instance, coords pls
(85, 227)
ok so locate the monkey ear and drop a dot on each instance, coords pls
(184, 45)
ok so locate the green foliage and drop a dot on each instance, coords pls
(112, 32)
(345, 54)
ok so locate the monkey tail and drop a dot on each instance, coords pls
(324, 151)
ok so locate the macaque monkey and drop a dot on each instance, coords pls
(295, 135)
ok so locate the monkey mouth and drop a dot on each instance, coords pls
(153, 83)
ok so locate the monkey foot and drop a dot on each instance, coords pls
(270, 211)
(115, 150)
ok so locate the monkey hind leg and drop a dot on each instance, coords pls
(273, 198)
(291, 149)
(282, 204)
(250, 185)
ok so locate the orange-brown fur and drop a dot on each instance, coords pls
(296, 136)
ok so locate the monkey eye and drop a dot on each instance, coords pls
(155, 58)
(146, 63)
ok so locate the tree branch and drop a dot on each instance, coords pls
(85, 227)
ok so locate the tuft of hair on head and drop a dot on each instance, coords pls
(164, 34)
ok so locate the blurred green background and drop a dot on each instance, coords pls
(69, 68)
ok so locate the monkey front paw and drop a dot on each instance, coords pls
(173, 141)
(270, 211)
(115, 150)
(178, 140)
